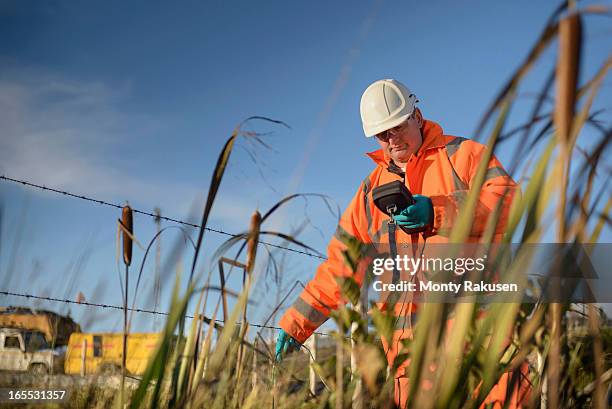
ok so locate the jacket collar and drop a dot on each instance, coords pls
(433, 137)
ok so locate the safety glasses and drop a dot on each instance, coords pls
(384, 136)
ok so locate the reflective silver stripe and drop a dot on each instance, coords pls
(451, 148)
(459, 184)
(453, 145)
(341, 234)
(406, 321)
(460, 197)
(366, 185)
(366, 205)
(384, 230)
(495, 172)
(309, 312)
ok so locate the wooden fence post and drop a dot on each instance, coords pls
(312, 378)
(254, 368)
(361, 308)
(83, 357)
(340, 368)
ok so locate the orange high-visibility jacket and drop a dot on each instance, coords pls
(443, 170)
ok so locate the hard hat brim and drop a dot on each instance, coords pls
(371, 131)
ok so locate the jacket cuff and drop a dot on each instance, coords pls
(290, 327)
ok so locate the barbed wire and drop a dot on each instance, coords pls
(146, 311)
(149, 214)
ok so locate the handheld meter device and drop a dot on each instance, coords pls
(391, 198)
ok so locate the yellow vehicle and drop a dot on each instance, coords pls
(103, 352)
(55, 328)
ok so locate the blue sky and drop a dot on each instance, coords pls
(133, 101)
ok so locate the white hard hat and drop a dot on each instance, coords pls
(384, 105)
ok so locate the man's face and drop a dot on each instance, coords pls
(403, 140)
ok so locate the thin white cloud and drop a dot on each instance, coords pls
(67, 134)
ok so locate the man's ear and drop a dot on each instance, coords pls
(418, 116)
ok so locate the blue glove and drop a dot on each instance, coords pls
(416, 216)
(284, 344)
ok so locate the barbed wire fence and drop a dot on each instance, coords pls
(149, 214)
(138, 310)
(154, 216)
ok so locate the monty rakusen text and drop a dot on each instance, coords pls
(457, 265)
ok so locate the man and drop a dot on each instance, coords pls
(438, 170)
